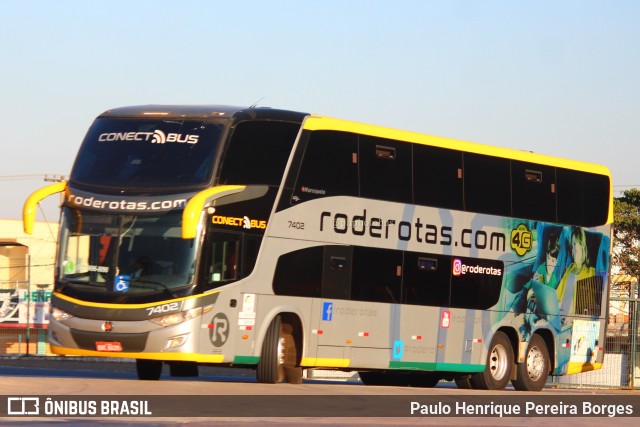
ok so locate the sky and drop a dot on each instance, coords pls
(555, 77)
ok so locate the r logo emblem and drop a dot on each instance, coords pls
(219, 331)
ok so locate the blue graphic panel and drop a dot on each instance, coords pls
(121, 283)
(327, 311)
(398, 349)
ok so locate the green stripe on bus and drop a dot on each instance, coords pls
(246, 360)
(431, 366)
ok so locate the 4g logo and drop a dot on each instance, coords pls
(521, 240)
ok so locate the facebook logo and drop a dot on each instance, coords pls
(327, 311)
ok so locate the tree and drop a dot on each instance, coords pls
(626, 232)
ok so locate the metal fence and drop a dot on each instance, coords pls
(621, 368)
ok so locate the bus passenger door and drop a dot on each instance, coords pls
(326, 347)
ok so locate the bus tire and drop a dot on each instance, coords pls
(148, 370)
(532, 374)
(279, 355)
(497, 372)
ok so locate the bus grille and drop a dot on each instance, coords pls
(130, 342)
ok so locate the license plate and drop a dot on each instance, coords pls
(108, 346)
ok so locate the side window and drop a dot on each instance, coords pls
(222, 258)
(377, 275)
(426, 279)
(385, 169)
(487, 184)
(475, 283)
(583, 199)
(533, 191)
(329, 167)
(437, 177)
(250, 249)
(336, 274)
(299, 273)
(258, 152)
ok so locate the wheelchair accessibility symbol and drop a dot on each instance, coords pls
(122, 283)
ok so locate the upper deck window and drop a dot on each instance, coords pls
(258, 152)
(139, 154)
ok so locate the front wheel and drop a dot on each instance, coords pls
(499, 364)
(534, 371)
(148, 369)
(278, 358)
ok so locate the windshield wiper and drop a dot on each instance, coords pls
(152, 282)
(67, 282)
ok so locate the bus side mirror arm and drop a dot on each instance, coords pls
(29, 208)
(191, 213)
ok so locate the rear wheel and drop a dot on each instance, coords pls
(278, 358)
(499, 364)
(149, 369)
(533, 372)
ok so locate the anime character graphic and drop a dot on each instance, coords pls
(562, 271)
(580, 269)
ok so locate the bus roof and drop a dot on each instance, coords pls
(202, 112)
(316, 122)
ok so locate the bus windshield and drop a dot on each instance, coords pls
(139, 154)
(124, 255)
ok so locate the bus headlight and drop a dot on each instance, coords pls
(175, 318)
(60, 315)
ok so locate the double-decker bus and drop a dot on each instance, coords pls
(284, 241)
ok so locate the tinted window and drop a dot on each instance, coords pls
(487, 184)
(426, 279)
(336, 276)
(583, 199)
(437, 175)
(126, 153)
(377, 275)
(385, 169)
(329, 167)
(258, 152)
(534, 195)
(299, 273)
(475, 283)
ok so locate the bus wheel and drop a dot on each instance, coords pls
(148, 369)
(533, 372)
(279, 355)
(499, 363)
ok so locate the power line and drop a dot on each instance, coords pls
(24, 177)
